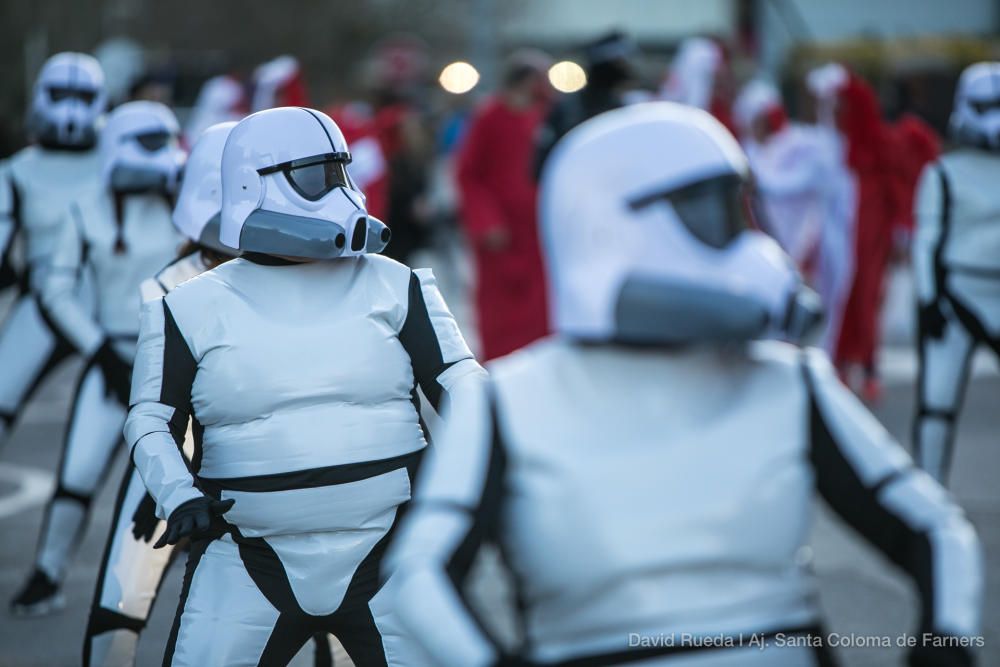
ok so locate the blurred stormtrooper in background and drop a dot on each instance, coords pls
(624, 465)
(119, 235)
(37, 184)
(956, 262)
(131, 570)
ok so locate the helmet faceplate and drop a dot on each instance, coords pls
(975, 120)
(140, 149)
(286, 190)
(648, 238)
(68, 101)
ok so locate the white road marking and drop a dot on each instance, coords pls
(34, 488)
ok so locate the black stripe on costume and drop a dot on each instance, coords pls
(940, 272)
(197, 551)
(266, 260)
(179, 365)
(822, 653)
(63, 492)
(421, 343)
(101, 619)
(484, 525)
(844, 491)
(310, 478)
(289, 634)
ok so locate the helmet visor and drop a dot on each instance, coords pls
(314, 177)
(154, 141)
(61, 93)
(715, 211)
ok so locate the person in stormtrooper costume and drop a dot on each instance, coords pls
(956, 262)
(36, 186)
(118, 236)
(624, 465)
(302, 393)
(131, 571)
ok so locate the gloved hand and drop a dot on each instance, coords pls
(192, 519)
(144, 519)
(927, 655)
(931, 319)
(116, 371)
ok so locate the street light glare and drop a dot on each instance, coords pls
(567, 77)
(459, 77)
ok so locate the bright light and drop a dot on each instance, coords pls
(459, 77)
(567, 77)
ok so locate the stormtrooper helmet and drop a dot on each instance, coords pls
(140, 149)
(67, 101)
(196, 213)
(286, 190)
(657, 246)
(975, 119)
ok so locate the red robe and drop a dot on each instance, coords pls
(887, 161)
(497, 191)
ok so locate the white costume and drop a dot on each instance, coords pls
(37, 184)
(625, 483)
(301, 389)
(119, 238)
(836, 241)
(131, 570)
(956, 262)
(791, 170)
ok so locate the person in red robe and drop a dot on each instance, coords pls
(497, 194)
(886, 161)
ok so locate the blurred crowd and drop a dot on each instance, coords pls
(539, 188)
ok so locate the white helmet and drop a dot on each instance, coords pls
(756, 98)
(975, 120)
(140, 149)
(286, 190)
(644, 224)
(68, 100)
(196, 214)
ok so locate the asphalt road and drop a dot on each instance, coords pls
(860, 594)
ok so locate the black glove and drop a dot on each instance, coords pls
(116, 371)
(192, 519)
(144, 519)
(931, 319)
(928, 655)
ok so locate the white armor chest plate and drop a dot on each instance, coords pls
(299, 366)
(47, 182)
(974, 232)
(713, 455)
(150, 243)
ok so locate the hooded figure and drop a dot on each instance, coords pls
(622, 465)
(609, 73)
(498, 199)
(849, 106)
(700, 77)
(956, 262)
(301, 391)
(36, 185)
(120, 236)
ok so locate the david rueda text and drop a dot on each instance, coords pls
(761, 641)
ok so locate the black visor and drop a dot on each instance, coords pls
(153, 141)
(984, 105)
(715, 210)
(59, 93)
(314, 177)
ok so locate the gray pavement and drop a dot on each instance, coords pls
(860, 593)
